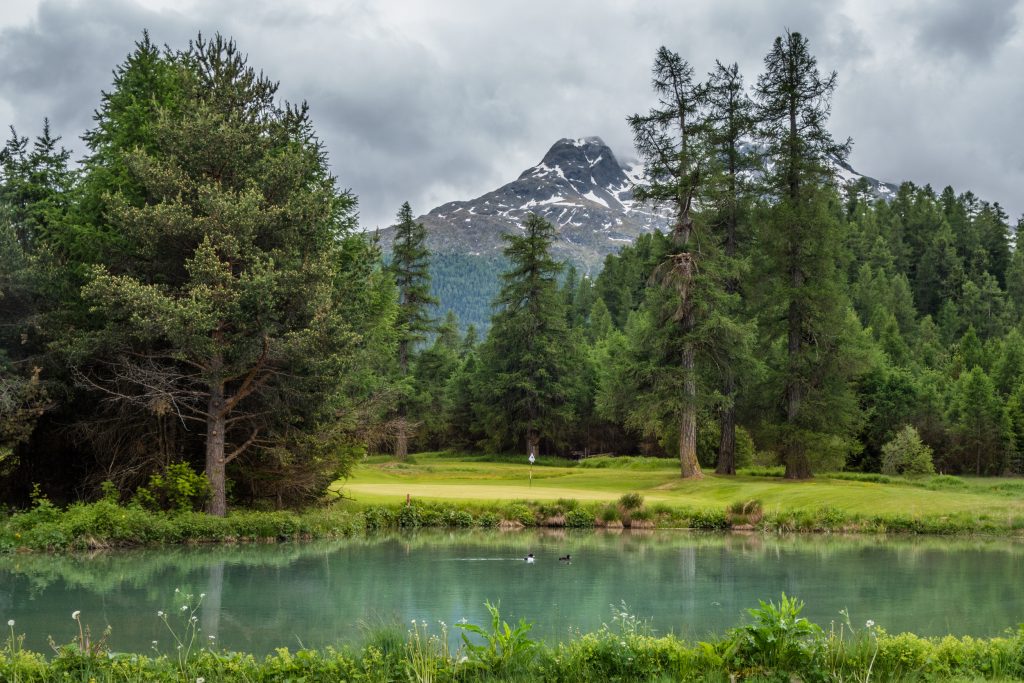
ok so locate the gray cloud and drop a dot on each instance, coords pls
(973, 30)
(430, 102)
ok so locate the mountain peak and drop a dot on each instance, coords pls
(584, 163)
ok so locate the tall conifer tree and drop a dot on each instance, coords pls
(668, 140)
(801, 245)
(410, 263)
(529, 358)
(731, 124)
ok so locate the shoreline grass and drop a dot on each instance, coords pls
(776, 644)
(459, 491)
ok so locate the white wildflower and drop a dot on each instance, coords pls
(74, 615)
(177, 590)
(212, 637)
(202, 595)
(869, 623)
(200, 680)
(160, 613)
(184, 608)
(10, 622)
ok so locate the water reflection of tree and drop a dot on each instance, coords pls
(105, 570)
(314, 587)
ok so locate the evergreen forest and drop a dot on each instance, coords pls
(194, 300)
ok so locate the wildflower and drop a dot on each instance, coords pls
(202, 595)
(10, 622)
(154, 643)
(160, 613)
(184, 608)
(413, 621)
(200, 680)
(74, 615)
(212, 637)
(177, 590)
(194, 619)
(869, 623)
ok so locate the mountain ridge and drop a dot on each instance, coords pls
(582, 188)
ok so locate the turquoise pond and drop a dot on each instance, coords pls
(260, 597)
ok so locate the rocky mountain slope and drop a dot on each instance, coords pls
(580, 187)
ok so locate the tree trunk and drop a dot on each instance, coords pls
(533, 443)
(688, 464)
(215, 466)
(798, 465)
(402, 442)
(402, 438)
(727, 421)
(212, 602)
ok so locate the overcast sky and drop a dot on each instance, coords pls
(435, 101)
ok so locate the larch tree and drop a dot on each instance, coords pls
(805, 303)
(410, 264)
(730, 196)
(689, 306)
(668, 140)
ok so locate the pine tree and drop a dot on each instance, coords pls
(410, 263)
(801, 243)
(529, 361)
(241, 293)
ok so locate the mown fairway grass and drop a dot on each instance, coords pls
(440, 477)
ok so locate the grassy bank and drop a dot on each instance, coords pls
(447, 491)
(847, 501)
(776, 645)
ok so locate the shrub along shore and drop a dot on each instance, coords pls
(776, 645)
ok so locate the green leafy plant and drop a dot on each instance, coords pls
(779, 639)
(177, 488)
(504, 649)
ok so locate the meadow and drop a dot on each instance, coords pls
(470, 480)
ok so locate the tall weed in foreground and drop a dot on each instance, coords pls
(428, 653)
(779, 640)
(187, 635)
(505, 650)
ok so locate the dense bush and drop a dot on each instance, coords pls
(907, 454)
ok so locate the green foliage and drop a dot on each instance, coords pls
(521, 513)
(178, 488)
(579, 518)
(631, 501)
(906, 454)
(779, 640)
(780, 645)
(506, 650)
(527, 382)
